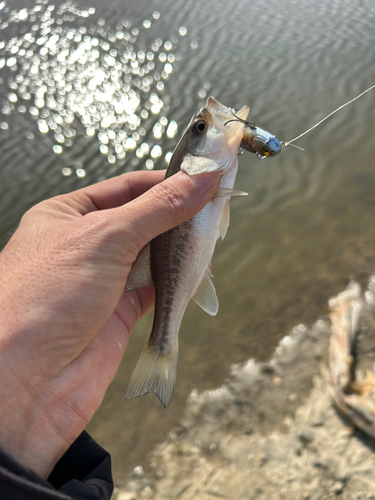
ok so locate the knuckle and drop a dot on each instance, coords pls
(173, 200)
(34, 211)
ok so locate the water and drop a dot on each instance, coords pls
(307, 224)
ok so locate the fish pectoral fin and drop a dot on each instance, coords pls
(224, 221)
(205, 296)
(193, 165)
(226, 192)
(140, 275)
(154, 372)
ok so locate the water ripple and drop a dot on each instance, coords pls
(71, 76)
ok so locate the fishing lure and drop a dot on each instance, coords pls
(259, 141)
(264, 144)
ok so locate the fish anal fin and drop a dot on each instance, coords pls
(140, 275)
(226, 192)
(224, 221)
(154, 372)
(205, 295)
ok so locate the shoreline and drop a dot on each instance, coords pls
(269, 432)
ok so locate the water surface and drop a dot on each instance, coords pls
(307, 224)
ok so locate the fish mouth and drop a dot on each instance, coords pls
(222, 114)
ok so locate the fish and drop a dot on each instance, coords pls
(178, 261)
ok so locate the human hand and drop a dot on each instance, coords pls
(65, 319)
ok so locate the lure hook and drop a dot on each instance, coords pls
(238, 119)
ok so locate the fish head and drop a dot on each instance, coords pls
(211, 142)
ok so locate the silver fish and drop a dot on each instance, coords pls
(178, 261)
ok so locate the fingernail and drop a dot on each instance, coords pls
(205, 182)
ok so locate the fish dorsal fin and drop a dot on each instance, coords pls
(224, 221)
(140, 275)
(198, 165)
(205, 296)
(226, 193)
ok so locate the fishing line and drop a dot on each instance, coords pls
(267, 137)
(289, 143)
(298, 147)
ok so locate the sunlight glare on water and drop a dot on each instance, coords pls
(97, 75)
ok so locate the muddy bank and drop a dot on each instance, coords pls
(263, 436)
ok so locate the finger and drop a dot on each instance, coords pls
(104, 353)
(114, 192)
(163, 207)
(134, 305)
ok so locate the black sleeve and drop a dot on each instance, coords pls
(83, 473)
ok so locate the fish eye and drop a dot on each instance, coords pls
(199, 127)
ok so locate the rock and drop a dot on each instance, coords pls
(306, 437)
(337, 487)
(125, 495)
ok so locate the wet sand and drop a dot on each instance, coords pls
(269, 432)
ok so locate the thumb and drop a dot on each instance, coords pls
(165, 206)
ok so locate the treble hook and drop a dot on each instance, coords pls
(238, 119)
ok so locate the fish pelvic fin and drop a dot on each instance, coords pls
(155, 372)
(224, 221)
(140, 275)
(205, 295)
(226, 193)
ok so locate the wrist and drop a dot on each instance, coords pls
(29, 430)
(29, 411)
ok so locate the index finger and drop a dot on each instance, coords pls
(115, 192)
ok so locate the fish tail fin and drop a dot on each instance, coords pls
(154, 372)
